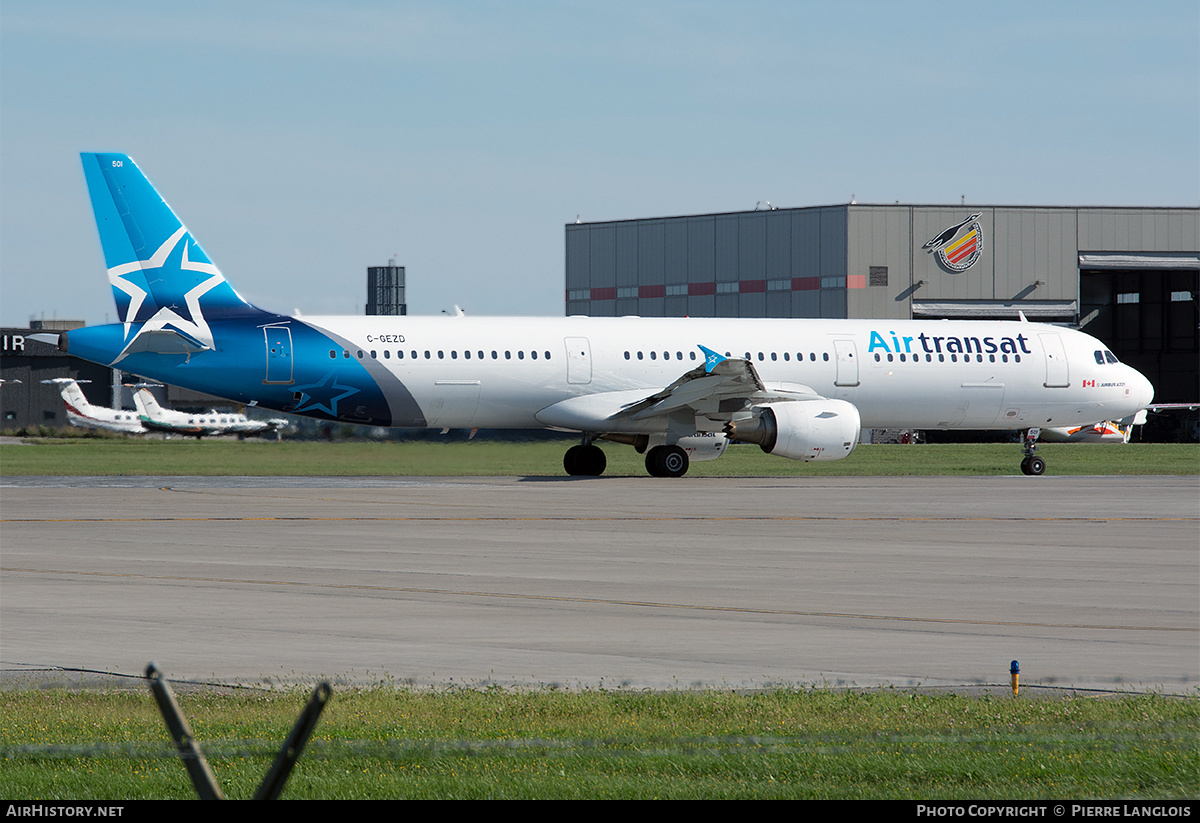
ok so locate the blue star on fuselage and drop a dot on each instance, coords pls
(323, 395)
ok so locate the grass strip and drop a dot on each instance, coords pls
(492, 743)
(88, 456)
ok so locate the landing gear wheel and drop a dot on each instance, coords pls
(1032, 464)
(585, 461)
(667, 461)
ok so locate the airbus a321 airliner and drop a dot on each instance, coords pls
(677, 389)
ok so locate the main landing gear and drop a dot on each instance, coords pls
(1032, 464)
(666, 461)
(588, 460)
(585, 460)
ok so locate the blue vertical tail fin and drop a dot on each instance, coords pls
(163, 283)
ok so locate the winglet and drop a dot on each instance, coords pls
(711, 359)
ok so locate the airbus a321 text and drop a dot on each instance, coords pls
(677, 389)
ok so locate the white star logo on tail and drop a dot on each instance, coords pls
(195, 328)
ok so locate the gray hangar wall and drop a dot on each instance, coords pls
(1127, 275)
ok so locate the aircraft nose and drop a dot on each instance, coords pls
(1143, 391)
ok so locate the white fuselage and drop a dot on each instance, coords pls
(97, 417)
(83, 414)
(501, 372)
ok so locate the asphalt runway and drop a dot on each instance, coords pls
(1090, 583)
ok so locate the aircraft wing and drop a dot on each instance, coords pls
(190, 431)
(1138, 418)
(722, 385)
(718, 389)
(1158, 407)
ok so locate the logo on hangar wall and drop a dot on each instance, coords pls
(958, 247)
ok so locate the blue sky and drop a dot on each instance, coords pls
(302, 142)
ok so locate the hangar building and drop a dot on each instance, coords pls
(1128, 276)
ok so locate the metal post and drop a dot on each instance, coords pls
(181, 733)
(272, 784)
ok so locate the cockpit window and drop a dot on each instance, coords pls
(1110, 357)
(1099, 355)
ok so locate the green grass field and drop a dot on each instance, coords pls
(395, 743)
(119, 456)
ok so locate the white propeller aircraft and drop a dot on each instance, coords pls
(1108, 431)
(150, 416)
(677, 389)
(82, 413)
(1111, 431)
(155, 418)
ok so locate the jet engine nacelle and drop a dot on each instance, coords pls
(802, 430)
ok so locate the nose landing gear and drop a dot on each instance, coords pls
(1032, 464)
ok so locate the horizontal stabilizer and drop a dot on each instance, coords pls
(164, 341)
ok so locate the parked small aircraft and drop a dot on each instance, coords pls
(155, 418)
(1111, 431)
(82, 413)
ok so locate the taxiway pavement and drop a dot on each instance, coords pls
(1089, 582)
